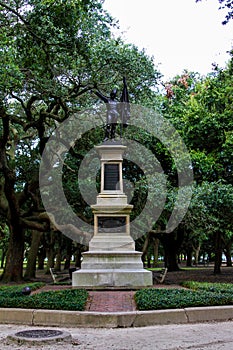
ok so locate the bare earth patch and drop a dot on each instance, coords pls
(200, 274)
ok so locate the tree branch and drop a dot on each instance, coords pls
(6, 128)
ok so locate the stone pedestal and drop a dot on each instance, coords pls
(111, 260)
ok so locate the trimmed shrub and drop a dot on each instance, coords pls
(73, 299)
(208, 286)
(157, 299)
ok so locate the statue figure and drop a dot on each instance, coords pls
(112, 113)
(115, 110)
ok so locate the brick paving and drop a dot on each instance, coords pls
(101, 301)
(111, 301)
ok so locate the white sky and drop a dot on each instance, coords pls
(180, 34)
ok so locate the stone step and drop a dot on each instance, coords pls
(112, 278)
(112, 260)
(112, 265)
(109, 246)
(112, 254)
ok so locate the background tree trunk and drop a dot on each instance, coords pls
(58, 242)
(32, 255)
(171, 243)
(156, 252)
(68, 254)
(228, 257)
(50, 257)
(50, 253)
(3, 258)
(148, 260)
(13, 271)
(41, 257)
(227, 252)
(218, 252)
(196, 255)
(171, 259)
(145, 249)
(78, 255)
(58, 260)
(189, 253)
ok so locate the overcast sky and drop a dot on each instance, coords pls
(180, 34)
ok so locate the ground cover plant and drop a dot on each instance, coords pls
(199, 294)
(208, 286)
(69, 299)
(194, 294)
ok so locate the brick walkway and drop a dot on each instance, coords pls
(102, 301)
(111, 301)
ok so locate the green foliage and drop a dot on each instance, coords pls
(155, 299)
(54, 53)
(208, 286)
(226, 5)
(73, 299)
(201, 110)
(18, 288)
(4, 237)
(217, 205)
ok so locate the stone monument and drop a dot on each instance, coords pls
(111, 260)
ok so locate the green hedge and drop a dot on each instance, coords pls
(18, 288)
(69, 299)
(209, 287)
(157, 299)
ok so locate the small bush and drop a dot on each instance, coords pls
(211, 287)
(18, 288)
(74, 299)
(157, 299)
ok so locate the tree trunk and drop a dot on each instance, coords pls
(32, 255)
(171, 243)
(156, 252)
(171, 259)
(197, 252)
(68, 254)
(218, 252)
(227, 252)
(58, 260)
(3, 258)
(189, 253)
(41, 257)
(78, 256)
(58, 252)
(148, 260)
(13, 271)
(228, 257)
(50, 253)
(50, 256)
(145, 249)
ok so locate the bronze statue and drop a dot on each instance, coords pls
(112, 113)
(115, 110)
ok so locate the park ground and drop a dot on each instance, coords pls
(199, 273)
(123, 300)
(205, 336)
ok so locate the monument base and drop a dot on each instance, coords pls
(112, 269)
(111, 261)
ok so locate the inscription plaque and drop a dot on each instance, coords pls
(112, 224)
(111, 177)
